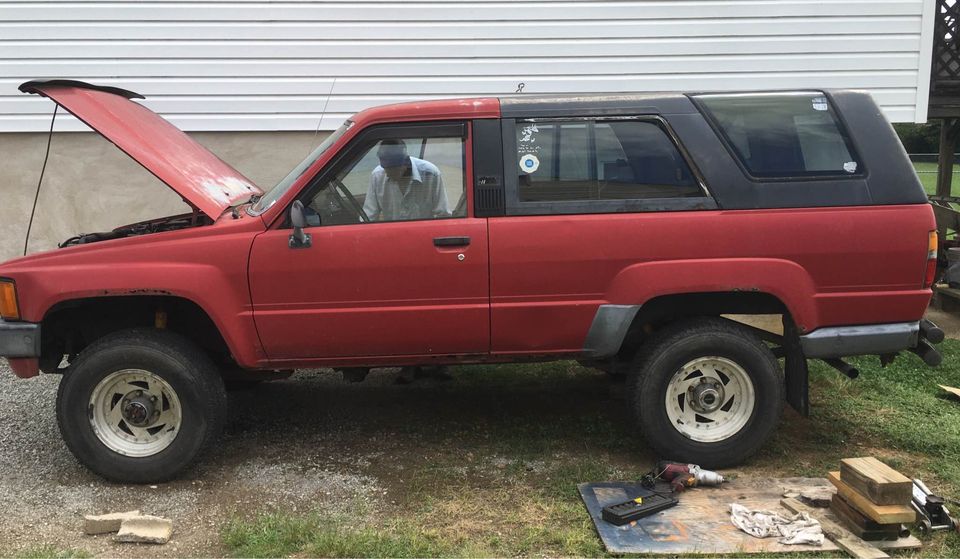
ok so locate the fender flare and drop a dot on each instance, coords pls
(636, 285)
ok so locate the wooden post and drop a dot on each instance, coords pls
(949, 130)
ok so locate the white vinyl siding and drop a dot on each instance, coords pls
(254, 65)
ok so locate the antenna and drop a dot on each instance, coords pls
(323, 112)
(36, 197)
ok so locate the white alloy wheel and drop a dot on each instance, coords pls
(135, 413)
(710, 399)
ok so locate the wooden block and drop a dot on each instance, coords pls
(839, 504)
(881, 514)
(861, 526)
(818, 497)
(875, 480)
(909, 542)
(836, 533)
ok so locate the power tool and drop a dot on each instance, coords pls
(681, 476)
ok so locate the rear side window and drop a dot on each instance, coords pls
(583, 160)
(780, 135)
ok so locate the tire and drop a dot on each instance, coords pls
(725, 387)
(153, 378)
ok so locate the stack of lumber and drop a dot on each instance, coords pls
(873, 499)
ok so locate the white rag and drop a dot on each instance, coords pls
(797, 529)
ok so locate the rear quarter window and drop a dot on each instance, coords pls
(585, 160)
(783, 135)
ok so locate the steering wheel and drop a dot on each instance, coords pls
(344, 194)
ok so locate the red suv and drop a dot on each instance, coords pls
(617, 230)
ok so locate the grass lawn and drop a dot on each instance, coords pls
(487, 464)
(928, 176)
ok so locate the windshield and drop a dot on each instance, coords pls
(283, 186)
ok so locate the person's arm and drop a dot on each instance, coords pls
(371, 204)
(440, 208)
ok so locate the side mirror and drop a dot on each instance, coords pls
(299, 239)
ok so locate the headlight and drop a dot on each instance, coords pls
(9, 309)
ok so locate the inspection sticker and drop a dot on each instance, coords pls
(529, 163)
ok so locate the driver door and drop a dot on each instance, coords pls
(384, 284)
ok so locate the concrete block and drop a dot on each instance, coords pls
(106, 523)
(145, 529)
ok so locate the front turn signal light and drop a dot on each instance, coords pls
(9, 309)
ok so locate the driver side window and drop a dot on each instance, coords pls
(395, 179)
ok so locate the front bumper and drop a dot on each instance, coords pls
(19, 339)
(874, 339)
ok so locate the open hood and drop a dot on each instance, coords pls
(187, 167)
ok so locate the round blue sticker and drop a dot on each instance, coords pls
(529, 163)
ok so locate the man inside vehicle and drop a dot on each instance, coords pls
(403, 187)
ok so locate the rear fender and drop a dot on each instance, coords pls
(785, 280)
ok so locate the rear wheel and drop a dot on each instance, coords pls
(140, 406)
(706, 391)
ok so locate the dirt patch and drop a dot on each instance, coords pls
(948, 321)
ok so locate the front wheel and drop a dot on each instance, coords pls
(140, 406)
(706, 391)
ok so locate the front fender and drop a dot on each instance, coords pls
(209, 270)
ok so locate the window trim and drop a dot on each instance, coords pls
(364, 140)
(838, 119)
(516, 207)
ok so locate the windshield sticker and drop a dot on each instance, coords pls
(819, 103)
(850, 166)
(529, 163)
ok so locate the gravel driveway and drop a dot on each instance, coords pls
(272, 454)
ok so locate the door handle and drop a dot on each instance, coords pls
(451, 241)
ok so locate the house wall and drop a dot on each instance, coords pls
(91, 186)
(253, 65)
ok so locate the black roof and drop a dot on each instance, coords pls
(594, 104)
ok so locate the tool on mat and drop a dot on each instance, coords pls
(634, 509)
(932, 514)
(681, 476)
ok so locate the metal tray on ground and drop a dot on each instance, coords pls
(701, 522)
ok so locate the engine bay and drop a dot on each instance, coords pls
(161, 225)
